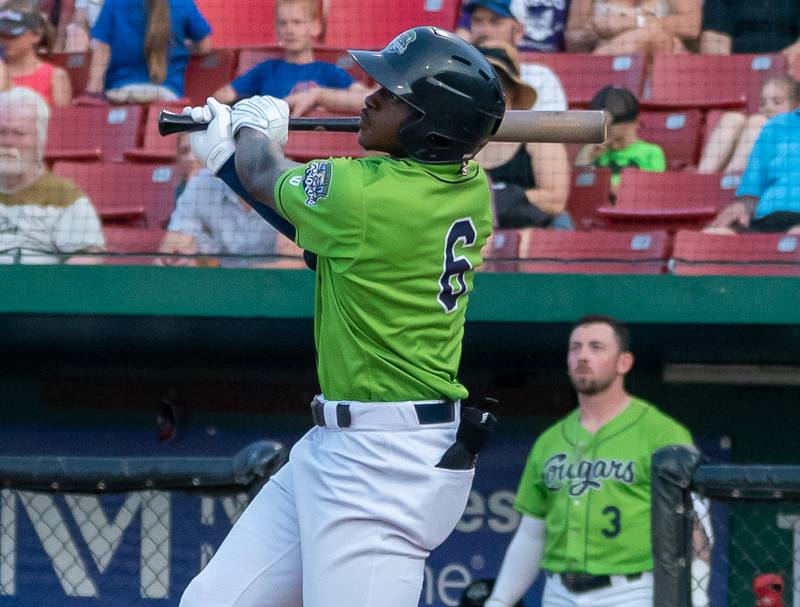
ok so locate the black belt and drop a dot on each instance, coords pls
(584, 582)
(427, 413)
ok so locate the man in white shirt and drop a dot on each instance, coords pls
(502, 21)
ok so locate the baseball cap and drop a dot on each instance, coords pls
(617, 101)
(515, 9)
(14, 23)
(504, 58)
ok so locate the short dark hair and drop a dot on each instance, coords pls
(620, 329)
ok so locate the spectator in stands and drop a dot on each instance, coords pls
(139, 49)
(530, 182)
(768, 198)
(23, 33)
(500, 21)
(210, 219)
(75, 25)
(4, 83)
(297, 25)
(732, 26)
(541, 23)
(731, 141)
(622, 147)
(186, 164)
(41, 214)
(618, 27)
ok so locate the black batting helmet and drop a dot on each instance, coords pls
(457, 95)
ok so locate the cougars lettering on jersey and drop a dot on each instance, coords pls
(585, 474)
(398, 243)
(593, 490)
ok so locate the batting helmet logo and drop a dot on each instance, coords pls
(401, 43)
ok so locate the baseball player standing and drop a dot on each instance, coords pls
(584, 495)
(350, 520)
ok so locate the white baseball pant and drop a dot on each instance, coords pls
(621, 593)
(347, 522)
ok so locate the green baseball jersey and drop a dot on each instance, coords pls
(640, 154)
(593, 490)
(398, 242)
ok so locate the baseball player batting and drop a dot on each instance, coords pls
(381, 479)
(584, 495)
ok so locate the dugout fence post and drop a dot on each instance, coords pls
(672, 521)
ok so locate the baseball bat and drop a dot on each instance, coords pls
(524, 126)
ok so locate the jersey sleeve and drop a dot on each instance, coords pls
(657, 162)
(532, 494)
(197, 27)
(103, 28)
(323, 199)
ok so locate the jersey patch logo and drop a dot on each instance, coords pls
(317, 181)
(401, 43)
(585, 474)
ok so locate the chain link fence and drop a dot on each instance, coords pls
(724, 535)
(87, 539)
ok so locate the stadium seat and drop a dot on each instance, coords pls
(155, 148)
(371, 25)
(240, 23)
(207, 73)
(589, 190)
(706, 81)
(698, 253)
(596, 252)
(77, 67)
(678, 133)
(92, 132)
(303, 146)
(583, 74)
(666, 200)
(501, 253)
(141, 194)
(127, 239)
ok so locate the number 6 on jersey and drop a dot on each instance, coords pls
(454, 266)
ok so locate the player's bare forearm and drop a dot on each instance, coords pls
(259, 164)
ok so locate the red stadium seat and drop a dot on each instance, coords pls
(127, 239)
(207, 73)
(77, 67)
(698, 253)
(678, 133)
(240, 23)
(309, 145)
(92, 132)
(582, 74)
(125, 192)
(705, 81)
(589, 190)
(596, 252)
(371, 25)
(666, 200)
(502, 251)
(155, 148)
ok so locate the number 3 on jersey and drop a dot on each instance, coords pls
(462, 231)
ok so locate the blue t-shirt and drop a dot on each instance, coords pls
(122, 25)
(278, 78)
(773, 170)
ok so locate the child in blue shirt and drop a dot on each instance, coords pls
(297, 25)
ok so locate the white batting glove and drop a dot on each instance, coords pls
(268, 115)
(214, 145)
(494, 603)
